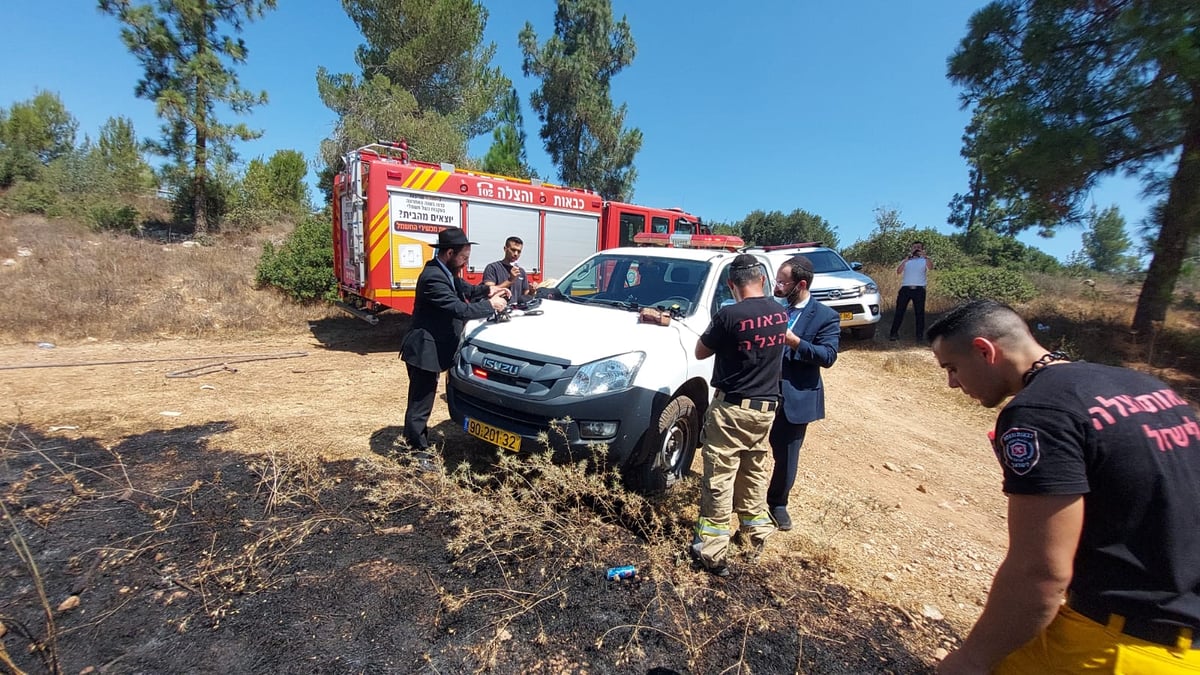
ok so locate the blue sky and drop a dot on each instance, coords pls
(835, 108)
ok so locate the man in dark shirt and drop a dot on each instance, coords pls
(505, 273)
(747, 339)
(1102, 471)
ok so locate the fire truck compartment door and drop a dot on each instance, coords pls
(490, 225)
(569, 239)
(351, 233)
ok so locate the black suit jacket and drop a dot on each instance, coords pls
(818, 328)
(440, 310)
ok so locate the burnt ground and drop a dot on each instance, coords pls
(262, 518)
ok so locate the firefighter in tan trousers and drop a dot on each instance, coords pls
(747, 338)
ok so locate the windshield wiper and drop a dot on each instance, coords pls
(630, 305)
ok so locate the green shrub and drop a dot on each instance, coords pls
(302, 266)
(104, 215)
(973, 283)
(31, 197)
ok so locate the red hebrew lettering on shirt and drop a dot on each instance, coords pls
(1178, 436)
(1125, 405)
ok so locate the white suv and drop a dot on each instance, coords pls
(837, 283)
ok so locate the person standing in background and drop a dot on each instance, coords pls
(505, 273)
(913, 272)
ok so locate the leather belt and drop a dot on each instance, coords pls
(1168, 635)
(759, 404)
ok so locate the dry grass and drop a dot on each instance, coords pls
(69, 283)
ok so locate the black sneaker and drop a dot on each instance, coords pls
(893, 338)
(782, 520)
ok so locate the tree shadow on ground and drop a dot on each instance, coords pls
(350, 334)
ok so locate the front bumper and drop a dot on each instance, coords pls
(863, 311)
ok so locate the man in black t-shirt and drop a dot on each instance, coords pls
(505, 273)
(1102, 472)
(747, 339)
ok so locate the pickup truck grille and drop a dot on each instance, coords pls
(836, 294)
(518, 372)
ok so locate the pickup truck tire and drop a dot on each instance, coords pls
(863, 332)
(667, 449)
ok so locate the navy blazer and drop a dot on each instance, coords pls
(440, 310)
(818, 328)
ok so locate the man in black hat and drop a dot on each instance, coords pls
(443, 304)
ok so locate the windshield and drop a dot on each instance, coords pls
(635, 280)
(825, 262)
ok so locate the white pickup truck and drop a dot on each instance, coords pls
(587, 371)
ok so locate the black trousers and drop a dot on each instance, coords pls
(915, 294)
(786, 439)
(422, 388)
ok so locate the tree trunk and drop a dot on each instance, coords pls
(200, 183)
(200, 147)
(1180, 225)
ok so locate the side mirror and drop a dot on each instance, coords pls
(856, 266)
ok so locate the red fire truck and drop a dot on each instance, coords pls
(389, 209)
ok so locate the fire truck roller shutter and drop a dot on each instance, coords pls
(569, 239)
(491, 225)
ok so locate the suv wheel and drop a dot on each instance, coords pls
(668, 448)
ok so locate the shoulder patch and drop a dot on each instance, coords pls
(1019, 450)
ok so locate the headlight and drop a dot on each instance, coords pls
(612, 374)
(870, 288)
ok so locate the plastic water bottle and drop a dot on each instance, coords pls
(621, 573)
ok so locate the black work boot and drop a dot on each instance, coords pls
(782, 520)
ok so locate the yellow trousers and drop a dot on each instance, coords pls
(1073, 643)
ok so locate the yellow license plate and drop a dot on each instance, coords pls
(493, 435)
(846, 316)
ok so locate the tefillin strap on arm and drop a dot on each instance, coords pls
(1056, 355)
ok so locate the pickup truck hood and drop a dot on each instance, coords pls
(576, 333)
(840, 280)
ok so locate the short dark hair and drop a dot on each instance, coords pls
(744, 270)
(513, 240)
(801, 269)
(978, 318)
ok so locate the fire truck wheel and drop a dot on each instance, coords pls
(668, 448)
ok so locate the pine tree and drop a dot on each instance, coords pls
(507, 154)
(190, 69)
(583, 133)
(426, 76)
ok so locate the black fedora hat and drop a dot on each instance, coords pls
(452, 237)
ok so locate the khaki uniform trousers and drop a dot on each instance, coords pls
(736, 474)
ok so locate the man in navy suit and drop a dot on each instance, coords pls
(812, 344)
(443, 304)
